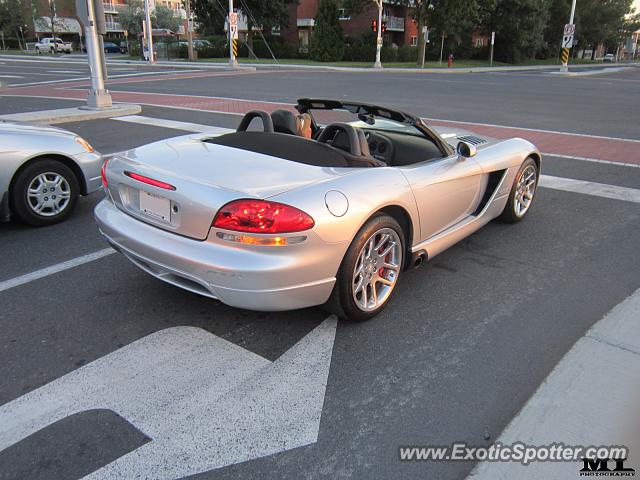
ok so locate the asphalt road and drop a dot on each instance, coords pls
(464, 343)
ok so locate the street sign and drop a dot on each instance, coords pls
(234, 31)
(233, 19)
(567, 41)
(569, 29)
(205, 402)
(493, 38)
(379, 41)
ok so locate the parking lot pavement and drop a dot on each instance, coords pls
(463, 345)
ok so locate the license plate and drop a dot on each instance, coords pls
(155, 206)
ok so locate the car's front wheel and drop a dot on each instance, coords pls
(44, 193)
(369, 271)
(522, 192)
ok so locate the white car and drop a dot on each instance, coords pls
(48, 45)
(609, 57)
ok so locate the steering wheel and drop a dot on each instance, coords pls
(329, 132)
(267, 122)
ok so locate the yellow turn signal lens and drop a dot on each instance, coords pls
(86, 145)
(260, 241)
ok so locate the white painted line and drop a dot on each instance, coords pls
(594, 160)
(591, 188)
(160, 122)
(10, 76)
(59, 267)
(590, 398)
(582, 135)
(205, 402)
(591, 72)
(111, 77)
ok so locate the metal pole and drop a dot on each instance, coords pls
(189, 30)
(52, 12)
(441, 48)
(565, 51)
(493, 39)
(378, 63)
(233, 61)
(97, 97)
(147, 23)
(425, 34)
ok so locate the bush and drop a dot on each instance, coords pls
(407, 53)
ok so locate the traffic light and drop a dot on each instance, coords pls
(384, 26)
(374, 26)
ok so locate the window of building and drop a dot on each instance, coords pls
(342, 14)
(479, 42)
(414, 41)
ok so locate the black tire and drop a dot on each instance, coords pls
(20, 203)
(342, 301)
(510, 213)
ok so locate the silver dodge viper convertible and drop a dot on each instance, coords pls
(269, 220)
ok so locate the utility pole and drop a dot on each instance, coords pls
(98, 96)
(378, 63)
(232, 27)
(567, 40)
(149, 31)
(189, 31)
(425, 33)
(52, 13)
(442, 46)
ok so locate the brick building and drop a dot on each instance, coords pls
(401, 29)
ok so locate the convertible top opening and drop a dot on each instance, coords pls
(291, 147)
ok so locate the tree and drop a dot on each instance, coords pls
(132, 17)
(520, 27)
(166, 18)
(601, 21)
(11, 17)
(327, 42)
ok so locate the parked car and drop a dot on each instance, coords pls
(609, 57)
(110, 47)
(43, 170)
(270, 220)
(48, 45)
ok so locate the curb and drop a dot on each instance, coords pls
(76, 114)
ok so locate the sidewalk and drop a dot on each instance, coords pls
(590, 398)
(257, 66)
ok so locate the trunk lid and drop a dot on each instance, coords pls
(205, 176)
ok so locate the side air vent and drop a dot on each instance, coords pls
(472, 140)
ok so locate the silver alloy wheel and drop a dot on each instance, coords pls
(48, 194)
(377, 269)
(525, 190)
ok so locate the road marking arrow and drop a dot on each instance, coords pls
(205, 402)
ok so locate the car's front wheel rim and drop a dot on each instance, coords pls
(48, 194)
(525, 190)
(376, 271)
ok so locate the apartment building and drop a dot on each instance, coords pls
(400, 28)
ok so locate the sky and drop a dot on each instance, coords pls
(636, 4)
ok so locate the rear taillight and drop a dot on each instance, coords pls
(261, 216)
(103, 174)
(149, 181)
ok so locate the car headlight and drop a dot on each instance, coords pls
(86, 145)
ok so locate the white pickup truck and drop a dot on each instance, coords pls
(47, 45)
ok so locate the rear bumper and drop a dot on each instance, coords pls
(261, 278)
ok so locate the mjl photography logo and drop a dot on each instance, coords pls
(605, 467)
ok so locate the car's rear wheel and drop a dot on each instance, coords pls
(44, 193)
(369, 271)
(522, 192)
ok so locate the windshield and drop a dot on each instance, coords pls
(368, 122)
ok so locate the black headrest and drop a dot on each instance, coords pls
(284, 121)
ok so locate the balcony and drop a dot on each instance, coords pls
(109, 7)
(114, 27)
(394, 24)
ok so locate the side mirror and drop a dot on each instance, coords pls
(466, 150)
